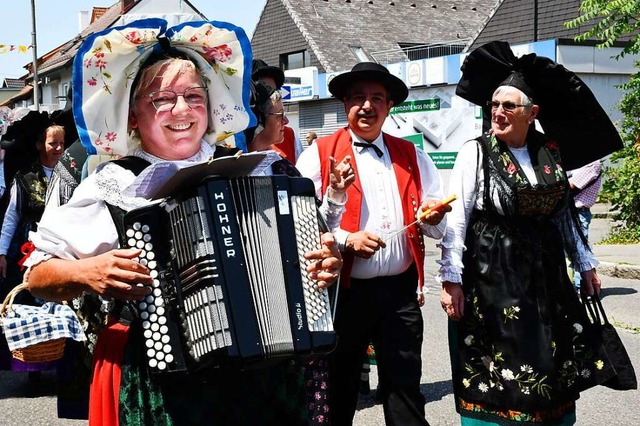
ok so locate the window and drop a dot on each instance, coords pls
(63, 97)
(295, 60)
(416, 51)
(359, 53)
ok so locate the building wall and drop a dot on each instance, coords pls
(8, 93)
(173, 11)
(277, 33)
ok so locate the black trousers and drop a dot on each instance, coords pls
(383, 310)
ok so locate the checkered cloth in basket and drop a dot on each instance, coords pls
(27, 325)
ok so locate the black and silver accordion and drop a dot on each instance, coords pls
(229, 278)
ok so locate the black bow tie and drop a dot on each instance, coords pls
(370, 145)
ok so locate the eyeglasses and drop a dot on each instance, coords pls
(278, 114)
(507, 106)
(165, 100)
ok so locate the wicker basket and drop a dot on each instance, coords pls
(51, 350)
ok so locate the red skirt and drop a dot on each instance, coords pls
(105, 385)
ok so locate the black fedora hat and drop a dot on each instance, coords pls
(260, 68)
(369, 71)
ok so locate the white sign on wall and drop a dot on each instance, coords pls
(301, 83)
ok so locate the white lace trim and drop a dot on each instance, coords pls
(111, 182)
(35, 258)
(117, 185)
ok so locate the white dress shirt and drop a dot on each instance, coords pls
(381, 210)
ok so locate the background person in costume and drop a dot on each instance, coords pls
(269, 132)
(290, 148)
(519, 345)
(26, 204)
(394, 182)
(171, 108)
(585, 184)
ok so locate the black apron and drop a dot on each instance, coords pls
(521, 344)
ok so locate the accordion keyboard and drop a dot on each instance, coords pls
(307, 232)
(152, 309)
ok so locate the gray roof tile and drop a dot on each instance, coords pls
(329, 27)
(513, 21)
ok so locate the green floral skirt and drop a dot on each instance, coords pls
(274, 395)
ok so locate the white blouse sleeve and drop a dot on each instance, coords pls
(79, 229)
(465, 181)
(431, 183)
(583, 258)
(84, 227)
(11, 219)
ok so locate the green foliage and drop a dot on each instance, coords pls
(622, 184)
(611, 20)
(608, 21)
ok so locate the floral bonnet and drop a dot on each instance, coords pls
(108, 62)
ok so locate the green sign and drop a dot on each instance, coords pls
(443, 160)
(415, 139)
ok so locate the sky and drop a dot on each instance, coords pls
(57, 22)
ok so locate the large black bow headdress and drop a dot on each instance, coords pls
(20, 139)
(569, 112)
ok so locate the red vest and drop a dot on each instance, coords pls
(287, 148)
(405, 166)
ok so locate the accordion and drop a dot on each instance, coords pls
(229, 274)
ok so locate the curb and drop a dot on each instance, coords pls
(619, 270)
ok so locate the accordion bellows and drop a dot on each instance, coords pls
(230, 281)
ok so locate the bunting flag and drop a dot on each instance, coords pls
(19, 48)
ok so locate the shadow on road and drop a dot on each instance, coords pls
(616, 291)
(18, 385)
(437, 390)
(431, 391)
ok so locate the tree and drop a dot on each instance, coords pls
(612, 21)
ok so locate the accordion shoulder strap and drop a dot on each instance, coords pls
(225, 151)
(135, 164)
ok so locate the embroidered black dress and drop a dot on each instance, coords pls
(519, 352)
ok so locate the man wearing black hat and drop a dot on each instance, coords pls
(382, 268)
(291, 147)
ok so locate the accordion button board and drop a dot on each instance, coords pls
(229, 274)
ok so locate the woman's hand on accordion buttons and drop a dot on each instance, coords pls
(328, 261)
(116, 274)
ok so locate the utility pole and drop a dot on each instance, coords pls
(36, 97)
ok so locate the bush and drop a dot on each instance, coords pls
(622, 184)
